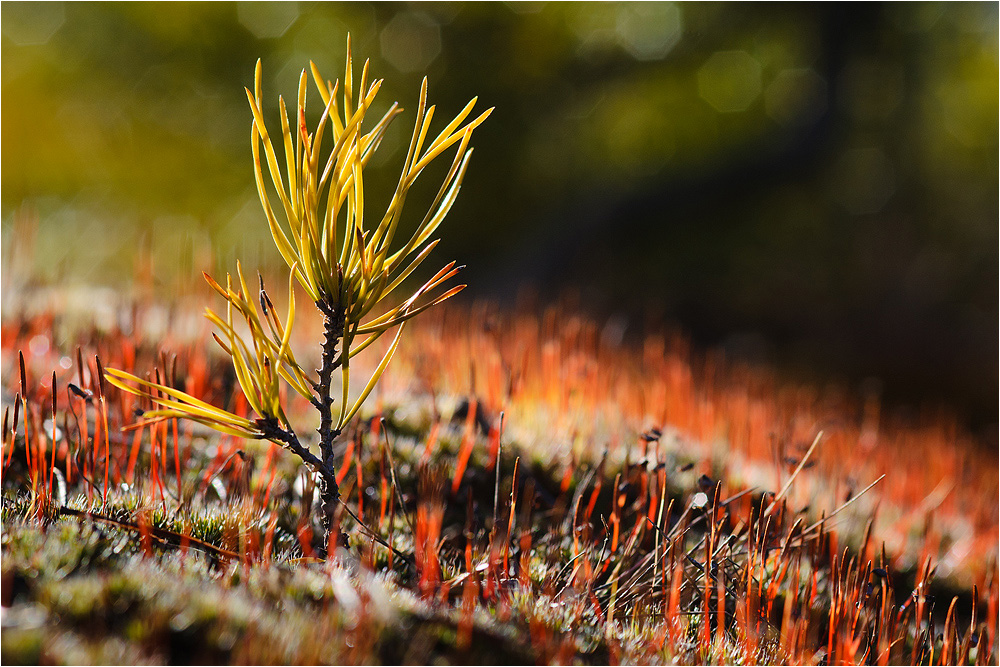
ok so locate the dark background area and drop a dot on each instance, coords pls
(809, 185)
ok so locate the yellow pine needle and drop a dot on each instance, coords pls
(281, 240)
(438, 148)
(372, 140)
(181, 399)
(407, 310)
(300, 108)
(348, 80)
(345, 381)
(246, 379)
(321, 85)
(417, 261)
(156, 416)
(283, 350)
(375, 295)
(290, 152)
(425, 126)
(374, 379)
(272, 160)
(413, 312)
(449, 129)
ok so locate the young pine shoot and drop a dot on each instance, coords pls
(342, 255)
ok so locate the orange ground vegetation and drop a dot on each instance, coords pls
(587, 407)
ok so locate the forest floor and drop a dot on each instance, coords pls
(533, 489)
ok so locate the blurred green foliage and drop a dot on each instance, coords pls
(815, 184)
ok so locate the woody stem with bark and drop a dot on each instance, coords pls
(333, 332)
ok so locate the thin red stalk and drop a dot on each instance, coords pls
(27, 442)
(720, 601)
(510, 519)
(593, 495)
(673, 621)
(304, 534)
(383, 490)
(154, 437)
(706, 629)
(465, 449)
(13, 430)
(68, 457)
(361, 484)
(85, 444)
(469, 594)
(619, 501)
(431, 442)
(270, 483)
(392, 526)
(272, 524)
(160, 463)
(107, 445)
(134, 455)
(265, 469)
(177, 461)
(346, 463)
(52, 465)
(104, 420)
(3, 444)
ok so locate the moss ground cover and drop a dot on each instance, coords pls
(530, 491)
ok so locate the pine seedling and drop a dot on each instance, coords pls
(346, 264)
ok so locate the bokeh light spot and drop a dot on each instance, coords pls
(38, 346)
(960, 103)
(267, 20)
(411, 41)
(525, 6)
(729, 81)
(796, 97)
(27, 23)
(648, 30)
(918, 17)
